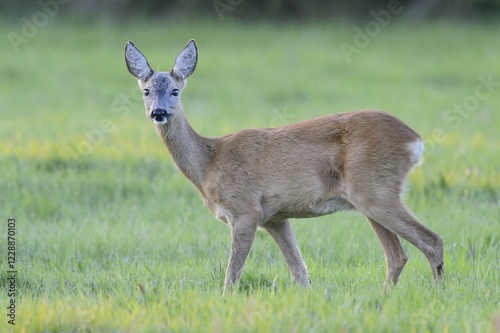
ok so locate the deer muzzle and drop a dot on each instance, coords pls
(160, 116)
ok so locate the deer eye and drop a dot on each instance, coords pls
(146, 92)
(175, 92)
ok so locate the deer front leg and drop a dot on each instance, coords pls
(242, 237)
(282, 233)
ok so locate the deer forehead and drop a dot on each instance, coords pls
(161, 80)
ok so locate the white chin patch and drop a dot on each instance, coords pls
(162, 122)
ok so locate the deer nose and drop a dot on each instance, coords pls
(159, 113)
(160, 116)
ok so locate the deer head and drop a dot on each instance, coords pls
(161, 89)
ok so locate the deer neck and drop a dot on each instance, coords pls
(190, 151)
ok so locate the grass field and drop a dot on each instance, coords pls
(101, 209)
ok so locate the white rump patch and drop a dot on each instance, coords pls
(416, 149)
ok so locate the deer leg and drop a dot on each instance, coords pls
(395, 256)
(282, 233)
(397, 219)
(242, 237)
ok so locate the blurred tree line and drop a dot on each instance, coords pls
(254, 9)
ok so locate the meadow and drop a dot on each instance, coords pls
(110, 237)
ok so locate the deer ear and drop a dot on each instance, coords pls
(137, 63)
(186, 61)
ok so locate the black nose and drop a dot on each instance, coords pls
(159, 113)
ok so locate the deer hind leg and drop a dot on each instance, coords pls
(282, 233)
(396, 218)
(395, 256)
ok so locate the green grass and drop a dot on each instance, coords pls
(94, 226)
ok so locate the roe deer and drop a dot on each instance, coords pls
(262, 177)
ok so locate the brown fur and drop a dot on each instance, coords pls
(262, 177)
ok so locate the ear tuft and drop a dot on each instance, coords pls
(186, 61)
(137, 63)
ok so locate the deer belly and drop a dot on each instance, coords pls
(304, 209)
(330, 206)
